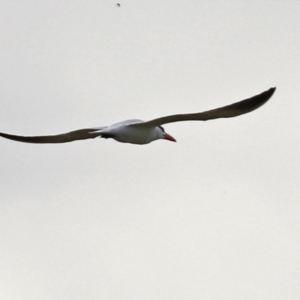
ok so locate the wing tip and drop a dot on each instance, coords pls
(269, 93)
(253, 103)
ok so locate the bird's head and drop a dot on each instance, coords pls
(163, 135)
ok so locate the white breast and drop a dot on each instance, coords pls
(124, 133)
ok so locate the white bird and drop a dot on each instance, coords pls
(144, 132)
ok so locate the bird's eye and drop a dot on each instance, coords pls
(162, 129)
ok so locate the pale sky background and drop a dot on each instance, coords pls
(213, 216)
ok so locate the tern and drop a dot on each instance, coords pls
(144, 132)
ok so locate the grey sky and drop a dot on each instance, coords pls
(214, 216)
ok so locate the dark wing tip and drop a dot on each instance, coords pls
(81, 134)
(255, 102)
(26, 139)
(271, 90)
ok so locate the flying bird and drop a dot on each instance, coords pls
(144, 132)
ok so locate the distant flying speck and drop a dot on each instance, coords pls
(144, 132)
(118, 4)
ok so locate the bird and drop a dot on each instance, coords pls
(144, 132)
(118, 4)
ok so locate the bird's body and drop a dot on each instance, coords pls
(125, 132)
(144, 132)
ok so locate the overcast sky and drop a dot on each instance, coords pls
(213, 216)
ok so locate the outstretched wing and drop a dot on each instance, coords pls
(229, 111)
(81, 134)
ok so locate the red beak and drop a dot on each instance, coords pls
(169, 137)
